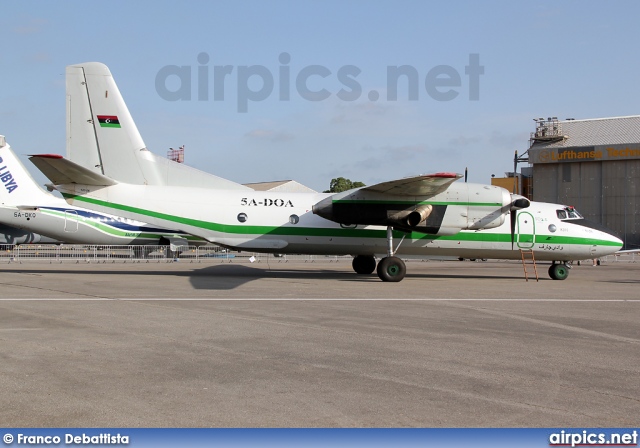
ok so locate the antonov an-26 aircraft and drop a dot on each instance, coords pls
(43, 217)
(10, 236)
(420, 215)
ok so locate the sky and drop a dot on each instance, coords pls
(309, 89)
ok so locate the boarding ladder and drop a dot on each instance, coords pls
(527, 254)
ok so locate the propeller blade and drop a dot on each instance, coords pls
(512, 216)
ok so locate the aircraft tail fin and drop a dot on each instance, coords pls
(100, 130)
(17, 187)
(102, 136)
(63, 171)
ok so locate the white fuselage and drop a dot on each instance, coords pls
(62, 223)
(284, 223)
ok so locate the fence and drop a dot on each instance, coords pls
(52, 253)
(622, 257)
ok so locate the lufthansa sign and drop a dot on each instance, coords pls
(584, 154)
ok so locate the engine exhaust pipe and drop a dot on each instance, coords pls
(412, 218)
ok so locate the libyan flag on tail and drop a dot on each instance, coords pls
(109, 121)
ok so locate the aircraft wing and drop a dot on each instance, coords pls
(422, 185)
(63, 171)
(402, 203)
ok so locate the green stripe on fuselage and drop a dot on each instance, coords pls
(412, 203)
(475, 236)
(111, 230)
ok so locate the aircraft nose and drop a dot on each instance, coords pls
(613, 236)
(613, 241)
(617, 241)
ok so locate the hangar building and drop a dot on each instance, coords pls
(593, 165)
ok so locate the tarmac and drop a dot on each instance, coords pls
(218, 344)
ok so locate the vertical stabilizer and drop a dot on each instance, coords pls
(101, 132)
(82, 141)
(102, 136)
(17, 187)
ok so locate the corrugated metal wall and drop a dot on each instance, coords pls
(604, 192)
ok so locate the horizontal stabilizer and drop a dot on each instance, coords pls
(62, 171)
(422, 185)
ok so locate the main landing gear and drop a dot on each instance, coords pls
(364, 264)
(390, 268)
(559, 271)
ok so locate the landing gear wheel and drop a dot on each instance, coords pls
(558, 271)
(391, 269)
(364, 264)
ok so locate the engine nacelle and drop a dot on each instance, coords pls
(459, 207)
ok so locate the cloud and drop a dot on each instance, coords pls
(393, 159)
(464, 141)
(371, 163)
(39, 58)
(515, 140)
(350, 113)
(34, 26)
(269, 135)
(406, 152)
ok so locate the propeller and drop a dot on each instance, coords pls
(512, 216)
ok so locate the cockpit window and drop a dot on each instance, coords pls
(568, 213)
(573, 214)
